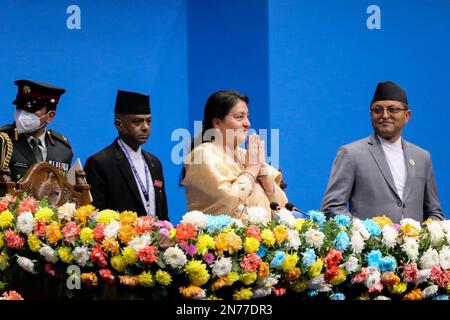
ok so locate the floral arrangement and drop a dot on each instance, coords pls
(217, 257)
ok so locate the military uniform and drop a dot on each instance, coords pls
(59, 151)
(54, 148)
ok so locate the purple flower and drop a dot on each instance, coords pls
(164, 232)
(191, 249)
(209, 258)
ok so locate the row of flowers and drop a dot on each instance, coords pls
(216, 257)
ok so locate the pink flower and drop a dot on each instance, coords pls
(6, 201)
(164, 232)
(191, 250)
(99, 232)
(13, 240)
(410, 272)
(250, 262)
(362, 275)
(106, 275)
(279, 291)
(148, 254)
(143, 224)
(209, 258)
(440, 278)
(70, 230)
(376, 288)
(98, 256)
(397, 227)
(12, 295)
(28, 204)
(40, 229)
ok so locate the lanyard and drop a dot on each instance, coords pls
(136, 174)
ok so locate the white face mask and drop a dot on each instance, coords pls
(27, 122)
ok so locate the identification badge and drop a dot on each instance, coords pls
(158, 184)
(20, 164)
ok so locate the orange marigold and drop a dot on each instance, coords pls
(415, 294)
(227, 241)
(89, 279)
(218, 283)
(111, 245)
(390, 279)
(263, 270)
(190, 291)
(126, 233)
(53, 232)
(185, 232)
(85, 212)
(130, 281)
(293, 274)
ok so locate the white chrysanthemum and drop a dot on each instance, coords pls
(238, 222)
(197, 218)
(67, 211)
(261, 292)
(175, 257)
(381, 298)
(411, 248)
(436, 232)
(374, 279)
(351, 265)
(287, 218)
(359, 226)
(200, 296)
(444, 258)
(293, 239)
(257, 215)
(81, 255)
(221, 267)
(273, 280)
(26, 222)
(412, 222)
(445, 225)
(424, 275)
(429, 259)
(357, 242)
(112, 229)
(318, 283)
(389, 236)
(314, 238)
(48, 253)
(429, 291)
(140, 242)
(26, 264)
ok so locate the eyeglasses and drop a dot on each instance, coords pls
(390, 110)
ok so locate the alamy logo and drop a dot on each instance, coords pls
(74, 280)
(74, 20)
(374, 20)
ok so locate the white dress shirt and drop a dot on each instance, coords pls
(139, 163)
(396, 161)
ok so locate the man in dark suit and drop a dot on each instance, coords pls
(123, 176)
(31, 140)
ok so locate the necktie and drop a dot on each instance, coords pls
(35, 143)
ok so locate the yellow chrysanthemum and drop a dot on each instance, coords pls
(111, 245)
(89, 279)
(218, 283)
(86, 235)
(383, 221)
(106, 216)
(84, 213)
(300, 286)
(172, 233)
(228, 241)
(268, 237)
(409, 231)
(299, 224)
(145, 279)
(129, 255)
(163, 277)
(1, 240)
(340, 278)
(251, 245)
(197, 272)
(128, 217)
(53, 232)
(118, 263)
(231, 278)
(415, 294)
(248, 278)
(34, 243)
(398, 288)
(280, 233)
(263, 269)
(190, 291)
(204, 243)
(44, 214)
(289, 262)
(6, 219)
(316, 268)
(65, 254)
(243, 294)
(126, 233)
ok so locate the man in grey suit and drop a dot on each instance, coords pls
(384, 174)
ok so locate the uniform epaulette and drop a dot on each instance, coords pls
(9, 129)
(60, 137)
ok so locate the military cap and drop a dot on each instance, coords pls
(132, 103)
(33, 95)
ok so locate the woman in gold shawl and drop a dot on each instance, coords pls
(219, 176)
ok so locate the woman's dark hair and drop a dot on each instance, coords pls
(218, 106)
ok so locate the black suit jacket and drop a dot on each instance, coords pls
(113, 185)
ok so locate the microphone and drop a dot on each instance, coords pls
(291, 207)
(275, 206)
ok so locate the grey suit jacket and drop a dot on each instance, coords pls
(362, 178)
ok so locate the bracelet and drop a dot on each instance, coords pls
(251, 174)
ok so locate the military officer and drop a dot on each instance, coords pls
(32, 142)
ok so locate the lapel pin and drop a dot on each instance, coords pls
(411, 162)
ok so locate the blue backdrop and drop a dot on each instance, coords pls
(309, 68)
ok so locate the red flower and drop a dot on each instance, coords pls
(70, 230)
(250, 262)
(185, 232)
(253, 231)
(13, 240)
(148, 254)
(99, 232)
(106, 275)
(40, 229)
(98, 256)
(279, 291)
(6, 201)
(144, 224)
(331, 273)
(50, 269)
(12, 295)
(440, 278)
(362, 275)
(27, 204)
(410, 272)
(333, 258)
